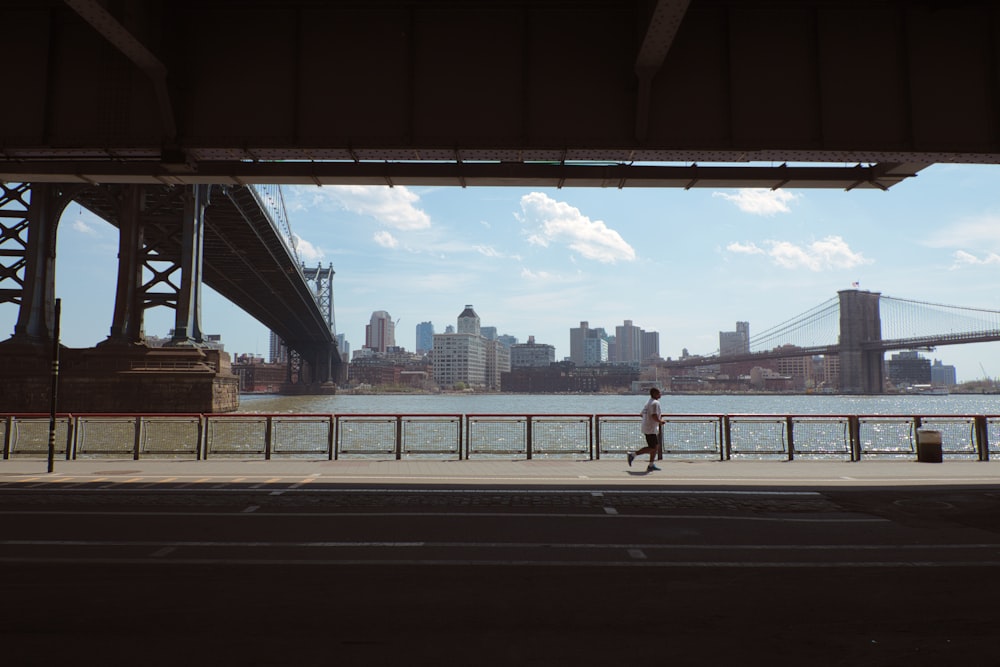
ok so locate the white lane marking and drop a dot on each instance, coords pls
(394, 544)
(160, 553)
(610, 510)
(637, 554)
(251, 508)
(469, 514)
(506, 491)
(506, 563)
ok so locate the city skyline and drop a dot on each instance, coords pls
(536, 262)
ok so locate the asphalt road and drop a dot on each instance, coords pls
(234, 574)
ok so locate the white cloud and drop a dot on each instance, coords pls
(393, 207)
(385, 239)
(827, 254)
(558, 222)
(307, 251)
(963, 258)
(528, 274)
(82, 227)
(979, 232)
(745, 248)
(489, 251)
(760, 201)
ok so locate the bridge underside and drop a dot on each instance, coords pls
(589, 93)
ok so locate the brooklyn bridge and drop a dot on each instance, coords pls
(860, 327)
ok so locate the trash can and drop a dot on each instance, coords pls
(928, 446)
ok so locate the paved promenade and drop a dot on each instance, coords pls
(498, 562)
(551, 472)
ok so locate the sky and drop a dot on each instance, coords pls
(538, 261)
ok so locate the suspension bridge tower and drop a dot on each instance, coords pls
(862, 365)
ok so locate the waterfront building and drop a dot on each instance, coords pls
(468, 322)
(532, 354)
(380, 332)
(908, 368)
(489, 333)
(943, 375)
(466, 358)
(588, 346)
(797, 369)
(635, 345)
(565, 376)
(735, 342)
(497, 362)
(595, 351)
(425, 337)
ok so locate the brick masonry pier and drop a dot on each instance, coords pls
(118, 379)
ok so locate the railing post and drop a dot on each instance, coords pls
(721, 439)
(72, 428)
(854, 428)
(727, 437)
(199, 447)
(137, 438)
(982, 438)
(330, 438)
(791, 437)
(590, 436)
(7, 435)
(336, 437)
(399, 437)
(461, 437)
(267, 438)
(527, 436)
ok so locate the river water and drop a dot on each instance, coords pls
(592, 404)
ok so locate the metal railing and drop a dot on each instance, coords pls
(329, 436)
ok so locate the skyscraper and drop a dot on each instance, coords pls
(425, 337)
(380, 333)
(466, 357)
(735, 342)
(468, 321)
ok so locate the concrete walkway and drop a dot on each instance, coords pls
(563, 472)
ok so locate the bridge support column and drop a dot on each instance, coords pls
(862, 369)
(127, 320)
(187, 327)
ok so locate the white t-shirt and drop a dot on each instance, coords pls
(651, 416)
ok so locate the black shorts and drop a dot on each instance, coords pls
(652, 440)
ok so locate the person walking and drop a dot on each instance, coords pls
(652, 417)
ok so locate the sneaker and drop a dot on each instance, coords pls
(631, 457)
(651, 467)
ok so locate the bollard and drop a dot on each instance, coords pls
(928, 446)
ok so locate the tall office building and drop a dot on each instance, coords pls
(943, 375)
(425, 337)
(278, 351)
(467, 357)
(629, 339)
(588, 347)
(344, 348)
(380, 333)
(468, 322)
(735, 342)
(595, 351)
(577, 336)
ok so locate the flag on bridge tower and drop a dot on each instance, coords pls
(855, 284)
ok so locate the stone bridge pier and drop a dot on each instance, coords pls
(862, 366)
